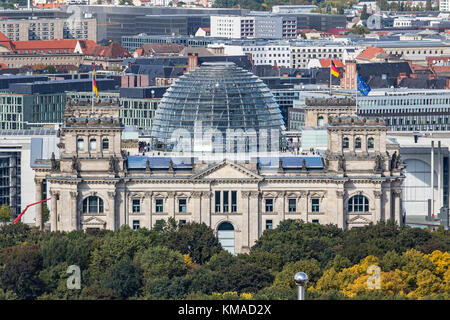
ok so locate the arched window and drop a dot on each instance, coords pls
(105, 144)
(320, 121)
(93, 204)
(92, 144)
(345, 143)
(80, 144)
(358, 143)
(370, 143)
(225, 235)
(358, 203)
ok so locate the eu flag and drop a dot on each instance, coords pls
(363, 87)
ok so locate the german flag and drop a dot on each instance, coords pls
(334, 70)
(94, 84)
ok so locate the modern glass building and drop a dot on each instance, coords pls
(222, 98)
(409, 109)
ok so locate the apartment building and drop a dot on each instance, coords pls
(49, 29)
(265, 53)
(304, 51)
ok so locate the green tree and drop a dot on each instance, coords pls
(45, 212)
(196, 239)
(5, 213)
(285, 278)
(160, 262)
(19, 270)
(364, 14)
(12, 234)
(166, 288)
(428, 5)
(124, 278)
(50, 69)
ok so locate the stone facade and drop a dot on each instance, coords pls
(95, 185)
(317, 111)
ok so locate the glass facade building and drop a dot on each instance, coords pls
(218, 96)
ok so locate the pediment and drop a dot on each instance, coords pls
(93, 221)
(358, 220)
(227, 170)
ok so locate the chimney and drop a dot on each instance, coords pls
(250, 57)
(192, 62)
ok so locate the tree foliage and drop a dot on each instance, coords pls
(174, 261)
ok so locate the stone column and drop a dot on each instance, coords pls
(245, 224)
(387, 203)
(205, 215)
(54, 211)
(38, 208)
(378, 205)
(196, 206)
(74, 210)
(303, 205)
(341, 216)
(171, 204)
(397, 207)
(432, 178)
(254, 217)
(440, 169)
(148, 197)
(111, 216)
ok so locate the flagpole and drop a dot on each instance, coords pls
(330, 76)
(356, 87)
(92, 107)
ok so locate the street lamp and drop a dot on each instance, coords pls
(300, 279)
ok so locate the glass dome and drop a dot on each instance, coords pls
(218, 96)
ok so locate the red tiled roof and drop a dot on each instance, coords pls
(441, 69)
(3, 37)
(326, 63)
(114, 50)
(46, 45)
(369, 53)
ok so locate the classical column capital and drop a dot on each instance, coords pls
(149, 194)
(254, 194)
(171, 194)
(397, 193)
(377, 194)
(111, 194)
(245, 194)
(73, 194)
(196, 194)
(340, 194)
(206, 194)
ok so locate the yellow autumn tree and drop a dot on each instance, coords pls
(440, 260)
(427, 285)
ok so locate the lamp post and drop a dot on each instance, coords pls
(300, 279)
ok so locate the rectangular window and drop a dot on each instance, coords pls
(225, 201)
(269, 224)
(136, 224)
(217, 201)
(136, 205)
(315, 205)
(233, 201)
(292, 205)
(181, 222)
(181, 205)
(159, 205)
(315, 221)
(269, 205)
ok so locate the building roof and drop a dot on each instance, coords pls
(326, 63)
(158, 49)
(112, 51)
(369, 53)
